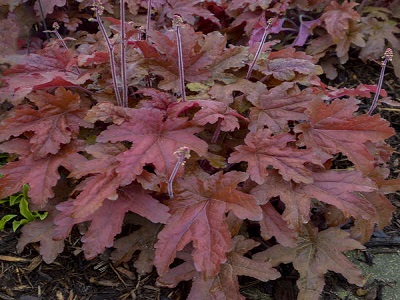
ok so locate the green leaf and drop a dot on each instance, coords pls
(24, 210)
(5, 219)
(19, 223)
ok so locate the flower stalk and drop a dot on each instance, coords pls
(99, 9)
(263, 38)
(182, 153)
(123, 56)
(387, 56)
(177, 23)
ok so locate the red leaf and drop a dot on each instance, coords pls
(272, 224)
(45, 7)
(141, 240)
(213, 111)
(154, 142)
(364, 228)
(297, 204)
(186, 9)
(262, 150)
(41, 231)
(289, 65)
(315, 254)
(225, 284)
(198, 215)
(106, 112)
(54, 123)
(205, 57)
(275, 107)
(337, 18)
(107, 220)
(50, 67)
(334, 129)
(41, 174)
(338, 188)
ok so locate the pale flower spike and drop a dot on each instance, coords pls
(182, 153)
(387, 56)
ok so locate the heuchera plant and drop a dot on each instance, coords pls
(176, 113)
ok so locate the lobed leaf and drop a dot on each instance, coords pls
(314, 255)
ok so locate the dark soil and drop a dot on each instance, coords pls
(26, 277)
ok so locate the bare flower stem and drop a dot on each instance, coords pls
(388, 56)
(59, 37)
(148, 18)
(99, 10)
(182, 153)
(263, 38)
(217, 131)
(177, 23)
(123, 56)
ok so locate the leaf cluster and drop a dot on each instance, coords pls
(273, 148)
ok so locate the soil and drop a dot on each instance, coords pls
(26, 277)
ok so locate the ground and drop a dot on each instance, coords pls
(26, 277)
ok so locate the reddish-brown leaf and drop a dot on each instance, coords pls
(106, 112)
(198, 215)
(41, 174)
(51, 67)
(225, 284)
(141, 240)
(339, 188)
(337, 18)
(100, 186)
(45, 7)
(205, 57)
(224, 93)
(55, 122)
(213, 111)
(297, 204)
(272, 224)
(289, 65)
(154, 141)
(316, 253)
(333, 128)
(363, 228)
(107, 220)
(41, 231)
(186, 9)
(275, 107)
(263, 150)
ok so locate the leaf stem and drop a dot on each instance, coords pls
(123, 56)
(177, 23)
(182, 153)
(264, 36)
(388, 56)
(99, 8)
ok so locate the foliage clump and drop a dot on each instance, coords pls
(178, 115)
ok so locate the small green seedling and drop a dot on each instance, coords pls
(21, 199)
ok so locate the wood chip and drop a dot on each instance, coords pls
(13, 258)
